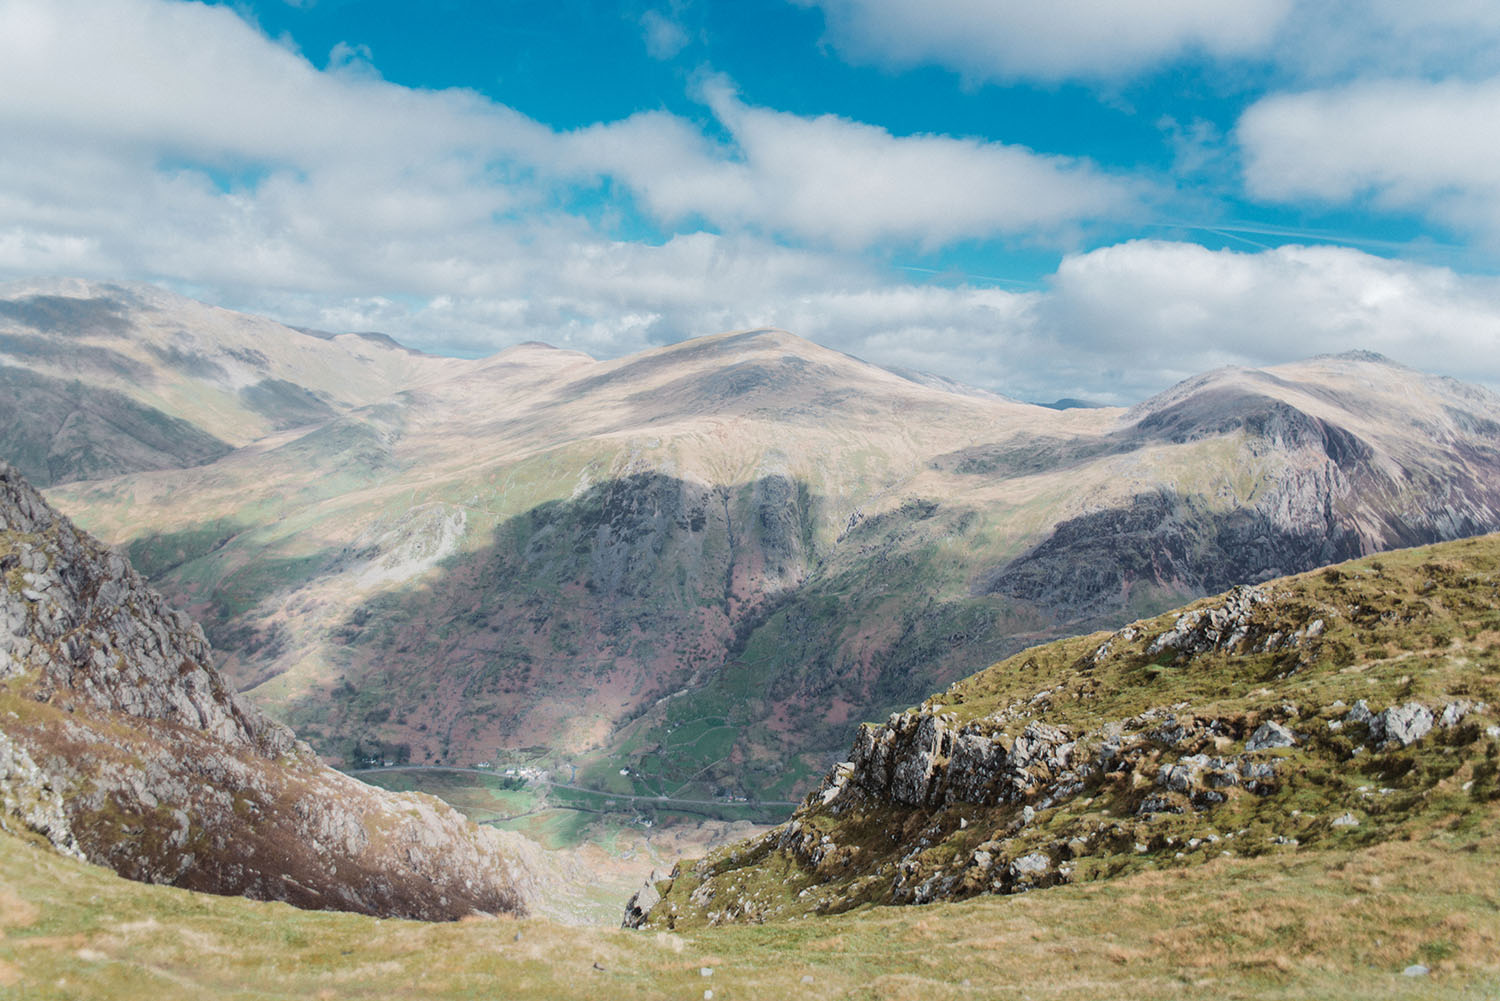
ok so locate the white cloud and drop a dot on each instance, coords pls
(1113, 325)
(832, 180)
(1099, 40)
(192, 80)
(664, 37)
(1156, 310)
(175, 139)
(1329, 40)
(1010, 39)
(1428, 147)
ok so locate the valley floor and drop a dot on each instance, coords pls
(1294, 925)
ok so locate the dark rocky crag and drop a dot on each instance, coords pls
(120, 743)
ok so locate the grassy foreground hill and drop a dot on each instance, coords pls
(1315, 925)
(1319, 714)
(1299, 903)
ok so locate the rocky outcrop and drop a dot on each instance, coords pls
(641, 901)
(120, 742)
(921, 759)
(87, 627)
(919, 764)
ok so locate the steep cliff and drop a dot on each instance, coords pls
(120, 743)
(1323, 712)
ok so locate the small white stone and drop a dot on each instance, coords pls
(705, 971)
(1415, 970)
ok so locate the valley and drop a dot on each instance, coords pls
(1285, 789)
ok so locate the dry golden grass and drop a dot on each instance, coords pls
(1317, 924)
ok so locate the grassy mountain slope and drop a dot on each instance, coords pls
(1316, 715)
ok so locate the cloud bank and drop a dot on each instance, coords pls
(175, 142)
(1114, 325)
(1405, 145)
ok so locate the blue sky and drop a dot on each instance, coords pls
(1091, 199)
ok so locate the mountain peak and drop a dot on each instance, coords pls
(1360, 355)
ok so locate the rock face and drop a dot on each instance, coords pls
(1201, 733)
(120, 743)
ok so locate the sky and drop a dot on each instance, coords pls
(1088, 198)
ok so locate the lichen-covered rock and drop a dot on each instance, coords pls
(120, 742)
(1360, 714)
(919, 759)
(1454, 712)
(1404, 724)
(1270, 734)
(1225, 626)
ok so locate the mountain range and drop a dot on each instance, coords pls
(686, 572)
(694, 572)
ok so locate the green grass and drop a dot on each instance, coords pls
(481, 798)
(555, 828)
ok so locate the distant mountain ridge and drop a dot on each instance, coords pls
(104, 379)
(702, 563)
